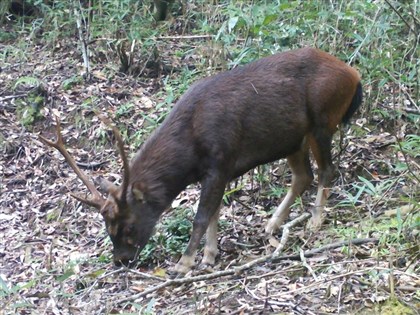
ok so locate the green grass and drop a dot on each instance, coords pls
(372, 35)
(171, 238)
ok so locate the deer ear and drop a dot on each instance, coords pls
(110, 210)
(138, 191)
(111, 189)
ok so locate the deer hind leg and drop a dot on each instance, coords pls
(212, 188)
(301, 178)
(320, 143)
(210, 249)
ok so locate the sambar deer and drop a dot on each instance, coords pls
(280, 106)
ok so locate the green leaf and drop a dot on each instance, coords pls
(4, 287)
(269, 18)
(65, 276)
(358, 37)
(97, 273)
(31, 81)
(368, 184)
(232, 23)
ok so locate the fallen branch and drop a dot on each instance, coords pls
(92, 165)
(185, 37)
(286, 232)
(2, 99)
(179, 281)
(266, 258)
(306, 265)
(411, 110)
(312, 252)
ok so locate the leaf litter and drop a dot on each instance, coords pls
(55, 254)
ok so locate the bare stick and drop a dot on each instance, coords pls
(92, 165)
(185, 37)
(306, 265)
(312, 252)
(286, 232)
(2, 99)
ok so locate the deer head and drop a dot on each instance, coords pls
(127, 216)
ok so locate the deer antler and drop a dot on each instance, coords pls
(120, 144)
(97, 201)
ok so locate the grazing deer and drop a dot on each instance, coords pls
(280, 106)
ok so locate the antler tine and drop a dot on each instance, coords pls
(120, 144)
(97, 201)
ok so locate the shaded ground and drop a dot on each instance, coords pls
(55, 255)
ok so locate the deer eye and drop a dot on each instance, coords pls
(129, 232)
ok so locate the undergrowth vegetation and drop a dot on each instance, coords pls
(377, 189)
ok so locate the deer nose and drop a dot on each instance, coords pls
(125, 256)
(121, 262)
(126, 261)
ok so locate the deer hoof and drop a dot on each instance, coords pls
(206, 268)
(178, 272)
(172, 274)
(209, 258)
(314, 223)
(184, 265)
(181, 269)
(272, 227)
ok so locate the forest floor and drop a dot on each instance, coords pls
(55, 254)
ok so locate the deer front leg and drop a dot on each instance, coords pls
(211, 195)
